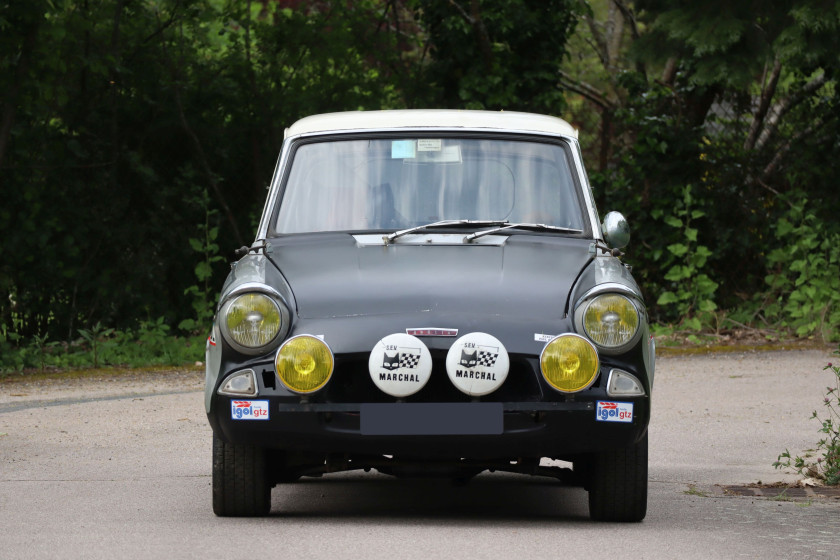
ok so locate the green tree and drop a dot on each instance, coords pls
(737, 99)
(496, 54)
(116, 114)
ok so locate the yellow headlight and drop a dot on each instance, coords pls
(569, 363)
(611, 320)
(252, 320)
(304, 363)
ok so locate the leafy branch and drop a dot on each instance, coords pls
(691, 291)
(826, 467)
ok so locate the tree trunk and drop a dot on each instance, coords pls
(767, 93)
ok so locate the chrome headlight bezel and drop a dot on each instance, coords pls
(585, 303)
(275, 298)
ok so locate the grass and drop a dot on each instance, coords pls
(781, 497)
(106, 353)
(694, 491)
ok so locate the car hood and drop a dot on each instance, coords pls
(333, 275)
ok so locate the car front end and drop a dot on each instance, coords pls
(431, 293)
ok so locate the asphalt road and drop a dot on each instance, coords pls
(121, 469)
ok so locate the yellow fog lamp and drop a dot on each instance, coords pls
(569, 363)
(304, 363)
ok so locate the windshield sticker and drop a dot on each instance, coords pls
(403, 149)
(429, 145)
(448, 154)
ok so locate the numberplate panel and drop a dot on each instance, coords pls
(427, 419)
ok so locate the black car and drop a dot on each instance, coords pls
(431, 293)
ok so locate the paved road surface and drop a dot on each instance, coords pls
(121, 469)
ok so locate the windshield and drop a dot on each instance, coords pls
(390, 184)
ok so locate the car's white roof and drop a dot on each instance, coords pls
(431, 118)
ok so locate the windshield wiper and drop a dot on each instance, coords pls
(538, 227)
(443, 223)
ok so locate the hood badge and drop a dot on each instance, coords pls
(432, 331)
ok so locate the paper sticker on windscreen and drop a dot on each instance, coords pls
(402, 149)
(429, 145)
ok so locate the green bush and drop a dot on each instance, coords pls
(804, 277)
(151, 344)
(826, 467)
(689, 292)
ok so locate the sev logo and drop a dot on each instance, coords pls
(408, 359)
(477, 364)
(484, 358)
(400, 364)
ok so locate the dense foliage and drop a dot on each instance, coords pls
(137, 139)
(131, 122)
(823, 462)
(713, 123)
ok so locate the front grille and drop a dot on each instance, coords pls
(351, 382)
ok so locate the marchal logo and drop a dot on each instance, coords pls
(477, 363)
(405, 358)
(400, 364)
(480, 357)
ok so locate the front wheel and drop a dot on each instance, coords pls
(240, 483)
(618, 487)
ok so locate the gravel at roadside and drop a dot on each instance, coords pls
(17, 391)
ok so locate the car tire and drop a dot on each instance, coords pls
(618, 486)
(240, 482)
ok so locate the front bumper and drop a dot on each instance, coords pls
(473, 430)
(525, 417)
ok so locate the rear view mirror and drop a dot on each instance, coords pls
(616, 230)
